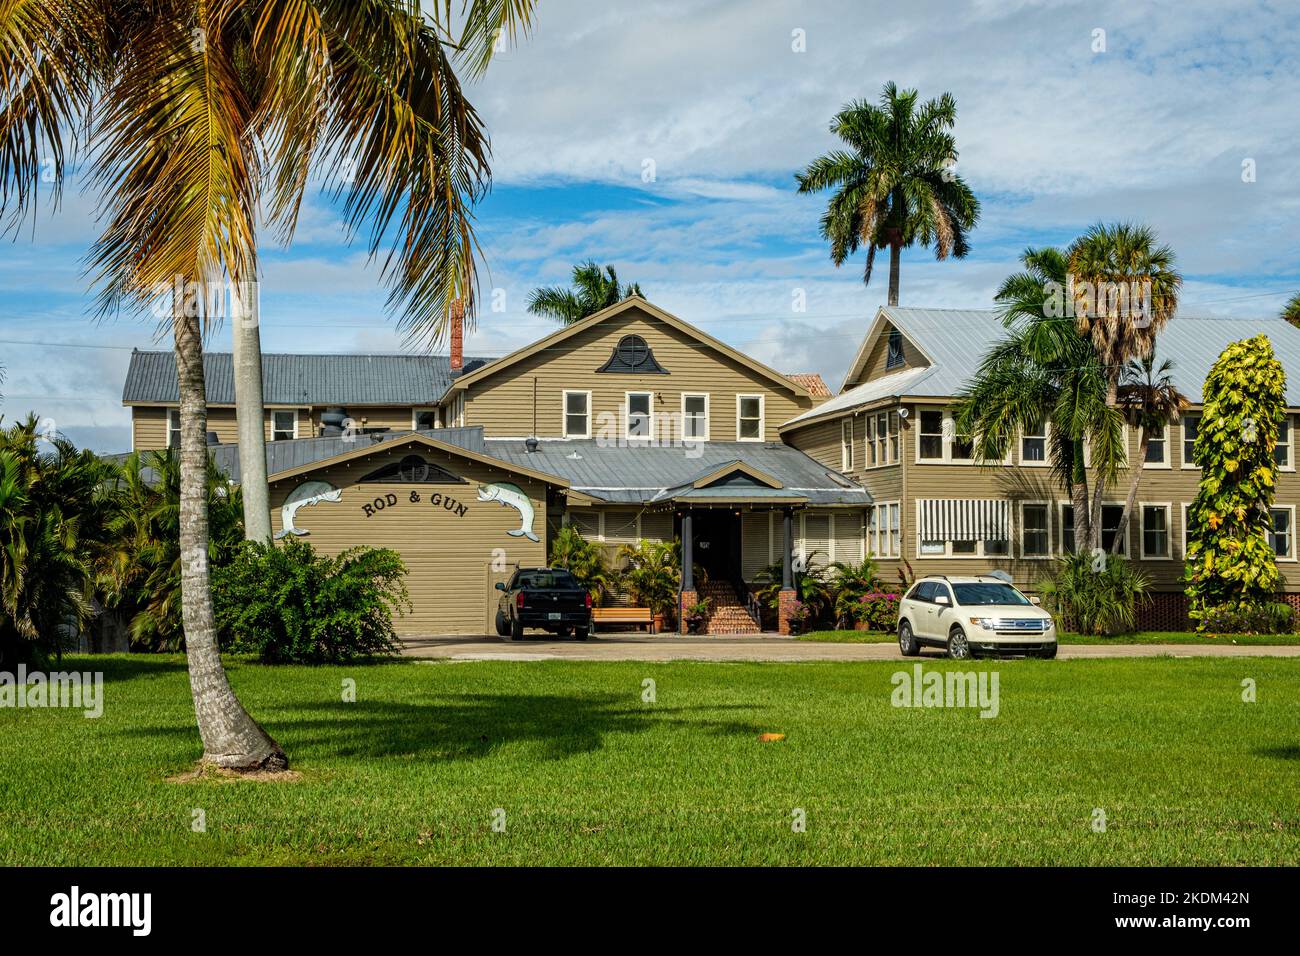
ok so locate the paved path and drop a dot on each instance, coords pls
(765, 648)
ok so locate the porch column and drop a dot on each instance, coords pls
(787, 599)
(687, 597)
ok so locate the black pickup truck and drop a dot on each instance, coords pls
(546, 598)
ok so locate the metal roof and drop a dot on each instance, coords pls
(635, 473)
(956, 340)
(293, 453)
(289, 379)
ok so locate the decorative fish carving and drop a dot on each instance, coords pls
(512, 496)
(305, 495)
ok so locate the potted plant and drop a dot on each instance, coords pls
(652, 577)
(697, 615)
(798, 617)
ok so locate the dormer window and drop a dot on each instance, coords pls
(894, 354)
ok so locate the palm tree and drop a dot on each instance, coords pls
(592, 291)
(1150, 401)
(1291, 311)
(199, 113)
(895, 184)
(1045, 370)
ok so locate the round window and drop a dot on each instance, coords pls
(413, 468)
(633, 351)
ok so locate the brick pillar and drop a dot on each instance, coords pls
(786, 600)
(687, 599)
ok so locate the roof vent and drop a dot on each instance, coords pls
(531, 444)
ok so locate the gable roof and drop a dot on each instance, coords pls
(300, 379)
(956, 340)
(635, 301)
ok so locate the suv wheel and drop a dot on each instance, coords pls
(958, 646)
(1049, 653)
(908, 645)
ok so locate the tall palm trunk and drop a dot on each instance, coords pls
(1135, 476)
(895, 260)
(245, 320)
(231, 738)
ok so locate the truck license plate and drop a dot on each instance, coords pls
(553, 616)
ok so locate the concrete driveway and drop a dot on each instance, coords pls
(630, 647)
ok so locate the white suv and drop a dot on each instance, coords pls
(970, 616)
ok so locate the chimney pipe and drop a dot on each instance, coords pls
(457, 317)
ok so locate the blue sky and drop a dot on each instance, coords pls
(1054, 135)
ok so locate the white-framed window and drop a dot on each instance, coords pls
(971, 548)
(869, 442)
(1282, 450)
(1157, 455)
(695, 415)
(640, 414)
(1156, 530)
(1190, 425)
(1033, 445)
(749, 418)
(846, 443)
(1111, 512)
(423, 419)
(884, 531)
(577, 414)
(284, 424)
(1281, 533)
(881, 436)
(173, 428)
(930, 435)
(1035, 529)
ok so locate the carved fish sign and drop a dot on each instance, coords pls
(512, 496)
(305, 495)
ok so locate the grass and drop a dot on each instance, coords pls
(1142, 637)
(588, 773)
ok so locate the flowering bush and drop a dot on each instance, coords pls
(878, 610)
(1243, 617)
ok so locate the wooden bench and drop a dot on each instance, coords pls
(622, 615)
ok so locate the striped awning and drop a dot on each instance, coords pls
(965, 519)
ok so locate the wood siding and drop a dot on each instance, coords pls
(503, 402)
(874, 367)
(453, 559)
(149, 422)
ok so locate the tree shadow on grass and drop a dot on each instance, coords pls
(1285, 752)
(471, 726)
(121, 669)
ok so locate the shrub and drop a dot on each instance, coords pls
(287, 604)
(1273, 617)
(851, 583)
(878, 610)
(1229, 559)
(584, 559)
(812, 583)
(653, 574)
(1095, 595)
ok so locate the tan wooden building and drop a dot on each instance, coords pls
(634, 425)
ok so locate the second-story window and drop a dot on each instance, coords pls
(577, 414)
(695, 416)
(1033, 444)
(284, 425)
(931, 436)
(173, 428)
(1157, 447)
(1191, 424)
(846, 444)
(749, 417)
(894, 352)
(1282, 450)
(639, 414)
(880, 435)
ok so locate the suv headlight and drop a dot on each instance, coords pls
(1050, 625)
(988, 623)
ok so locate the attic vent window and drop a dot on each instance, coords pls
(633, 356)
(894, 357)
(413, 469)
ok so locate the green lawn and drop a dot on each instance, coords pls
(1142, 637)
(586, 772)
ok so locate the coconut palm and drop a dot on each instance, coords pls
(1151, 402)
(593, 289)
(200, 113)
(1045, 370)
(894, 185)
(1291, 311)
